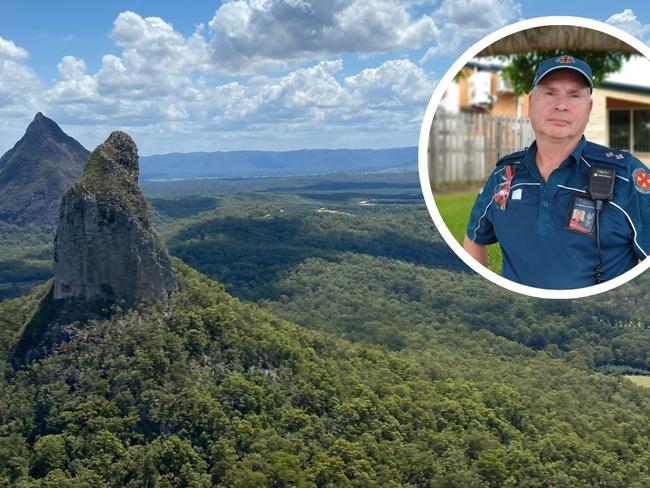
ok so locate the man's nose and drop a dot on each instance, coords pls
(561, 102)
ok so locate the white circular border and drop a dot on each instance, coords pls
(423, 168)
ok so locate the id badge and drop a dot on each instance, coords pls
(582, 215)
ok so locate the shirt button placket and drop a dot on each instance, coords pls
(544, 218)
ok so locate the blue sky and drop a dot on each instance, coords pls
(248, 74)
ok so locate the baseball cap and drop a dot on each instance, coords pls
(564, 62)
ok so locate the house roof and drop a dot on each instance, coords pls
(550, 37)
(615, 85)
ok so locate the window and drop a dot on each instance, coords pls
(619, 129)
(641, 130)
(630, 129)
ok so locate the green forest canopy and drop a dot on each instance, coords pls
(215, 392)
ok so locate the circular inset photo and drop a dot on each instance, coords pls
(533, 157)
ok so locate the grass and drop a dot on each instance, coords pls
(639, 380)
(455, 209)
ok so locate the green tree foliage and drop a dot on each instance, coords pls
(26, 258)
(521, 68)
(383, 275)
(450, 381)
(210, 391)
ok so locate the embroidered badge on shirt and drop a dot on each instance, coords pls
(641, 180)
(581, 215)
(503, 188)
(612, 155)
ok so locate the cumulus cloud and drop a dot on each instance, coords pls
(633, 72)
(152, 77)
(168, 89)
(394, 84)
(9, 51)
(466, 21)
(19, 85)
(254, 35)
(155, 58)
(20, 91)
(627, 21)
(314, 94)
(311, 100)
(71, 68)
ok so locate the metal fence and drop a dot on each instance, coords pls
(464, 147)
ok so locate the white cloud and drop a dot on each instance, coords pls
(153, 76)
(155, 58)
(296, 108)
(314, 97)
(9, 51)
(627, 21)
(467, 21)
(71, 68)
(163, 87)
(256, 35)
(396, 83)
(19, 85)
(20, 91)
(633, 72)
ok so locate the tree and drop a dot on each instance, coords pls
(522, 67)
(49, 454)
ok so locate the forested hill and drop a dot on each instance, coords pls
(381, 274)
(215, 392)
(243, 164)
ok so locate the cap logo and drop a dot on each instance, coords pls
(566, 59)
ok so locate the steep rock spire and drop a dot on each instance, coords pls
(106, 251)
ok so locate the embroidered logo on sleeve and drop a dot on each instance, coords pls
(641, 180)
(503, 188)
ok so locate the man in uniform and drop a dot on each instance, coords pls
(537, 204)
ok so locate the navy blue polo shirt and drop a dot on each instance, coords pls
(546, 230)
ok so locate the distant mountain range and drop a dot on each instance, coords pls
(45, 162)
(247, 164)
(37, 171)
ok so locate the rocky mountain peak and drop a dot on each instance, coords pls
(37, 171)
(42, 129)
(106, 252)
(120, 149)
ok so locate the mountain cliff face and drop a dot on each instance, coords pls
(106, 252)
(37, 171)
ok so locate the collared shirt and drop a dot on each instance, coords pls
(546, 230)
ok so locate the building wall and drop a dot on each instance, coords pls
(606, 99)
(505, 105)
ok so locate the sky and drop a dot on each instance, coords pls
(248, 74)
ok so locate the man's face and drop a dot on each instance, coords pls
(559, 106)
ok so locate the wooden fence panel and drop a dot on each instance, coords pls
(464, 147)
